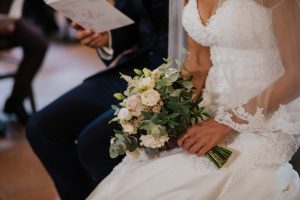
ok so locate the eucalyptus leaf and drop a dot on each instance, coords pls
(176, 93)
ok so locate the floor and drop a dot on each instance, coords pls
(22, 176)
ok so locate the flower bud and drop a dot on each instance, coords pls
(119, 96)
(138, 72)
(147, 72)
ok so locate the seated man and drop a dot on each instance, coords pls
(71, 136)
(34, 45)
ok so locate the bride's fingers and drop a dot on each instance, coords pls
(195, 148)
(189, 142)
(203, 150)
(183, 137)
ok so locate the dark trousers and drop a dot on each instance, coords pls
(71, 136)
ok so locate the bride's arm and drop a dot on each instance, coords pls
(286, 25)
(287, 30)
(197, 64)
(286, 22)
(200, 138)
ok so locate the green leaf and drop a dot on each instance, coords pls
(174, 115)
(174, 76)
(187, 84)
(176, 93)
(206, 115)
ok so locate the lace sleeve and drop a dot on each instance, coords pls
(254, 114)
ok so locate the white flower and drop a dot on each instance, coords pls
(146, 83)
(134, 154)
(134, 104)
(124, 114)
(128, 128)
(151, 142)
(150, 97)
(156, 74)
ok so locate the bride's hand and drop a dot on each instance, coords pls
(200, 138)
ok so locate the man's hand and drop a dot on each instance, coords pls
(89, 38)
(201, 138)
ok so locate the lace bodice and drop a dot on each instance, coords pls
(245, 60)
(246, 48)
(254, 28)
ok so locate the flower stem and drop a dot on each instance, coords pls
(219, 156)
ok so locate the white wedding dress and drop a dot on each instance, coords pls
(245, 61)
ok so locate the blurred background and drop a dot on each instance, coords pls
(65, 64)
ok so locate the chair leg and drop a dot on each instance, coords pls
(32, 101)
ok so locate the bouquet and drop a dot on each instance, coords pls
(154, 110)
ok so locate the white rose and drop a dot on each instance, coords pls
(134, 154)
(146, 83)
(134, 104)
(150, 97)
(151, 142)
(128, 128)
(124, 114)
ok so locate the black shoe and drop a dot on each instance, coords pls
(16, 107)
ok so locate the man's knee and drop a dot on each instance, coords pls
(35, 128)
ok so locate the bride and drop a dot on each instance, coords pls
(246, 56)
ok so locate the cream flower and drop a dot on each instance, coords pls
(151, 142)
(156, 74)
(146, 83)
(128, 128)
(150, 97)
(134, 104)
(124, 114)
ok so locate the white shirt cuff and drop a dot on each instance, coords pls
(106, 52)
